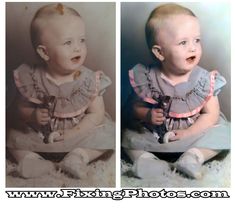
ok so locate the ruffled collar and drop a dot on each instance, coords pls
(72, 98)
(188, 98)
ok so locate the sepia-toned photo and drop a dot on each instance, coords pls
(60, 73)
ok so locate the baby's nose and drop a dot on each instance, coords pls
(77, 48)
(192, 47)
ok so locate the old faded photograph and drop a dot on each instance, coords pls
(60, 77)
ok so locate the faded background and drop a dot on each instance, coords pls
(100, 28)
(215, 34)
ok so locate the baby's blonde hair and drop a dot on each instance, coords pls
(158, 16)
(44, 14)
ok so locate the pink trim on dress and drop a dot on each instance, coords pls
(72, 114)
(132, 81)
(198, 109)
(83, 109)
(134, 86)
(150, 100)
(19, 85)
(97, 76)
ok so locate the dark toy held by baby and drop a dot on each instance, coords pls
(163, 102)
(131, 122)
(49, 103)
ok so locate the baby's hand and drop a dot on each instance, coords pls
(157, 117)
(40, 116)
(55, 136)
(179, 134)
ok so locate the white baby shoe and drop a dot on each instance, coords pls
(147, 166)
(75, 163)
(190, 164)
(33, 165)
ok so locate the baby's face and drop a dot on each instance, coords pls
(64, 39)
(179, 39)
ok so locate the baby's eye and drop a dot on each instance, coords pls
(69, 42)
(198, 40)
(183, 42)
(82, 40)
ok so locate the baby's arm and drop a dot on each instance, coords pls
(30, 114)
(209, 117)
(153, 116)
(94, 116)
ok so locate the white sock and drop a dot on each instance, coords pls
(80, 152)
(147, 155)
(198, 153)
(32, 155)
(148, 166)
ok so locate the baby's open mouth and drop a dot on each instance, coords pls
(76, 59)
(191, 59)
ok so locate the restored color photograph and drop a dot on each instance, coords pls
(175, 86)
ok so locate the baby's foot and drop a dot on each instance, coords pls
(190, 165)
(75, 163)
(150, 167)
(33, 165)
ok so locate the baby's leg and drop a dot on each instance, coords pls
(191, 161)
(76, 161)
(209, 153)
(30, 164)
(146, 165)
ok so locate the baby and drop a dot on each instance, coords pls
(193, 118)
(61, 101)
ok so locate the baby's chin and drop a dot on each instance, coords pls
(184, 71)
(75, 67)
(70, 71)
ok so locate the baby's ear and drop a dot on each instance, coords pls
(157, 51)
(42, 51)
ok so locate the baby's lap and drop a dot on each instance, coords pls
(147, 142)
(101, 137)
(217, 137)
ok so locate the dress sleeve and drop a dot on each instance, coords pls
(207, 84)
(104, 81)
(219, 83)
(141, 83)
(23, 77)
